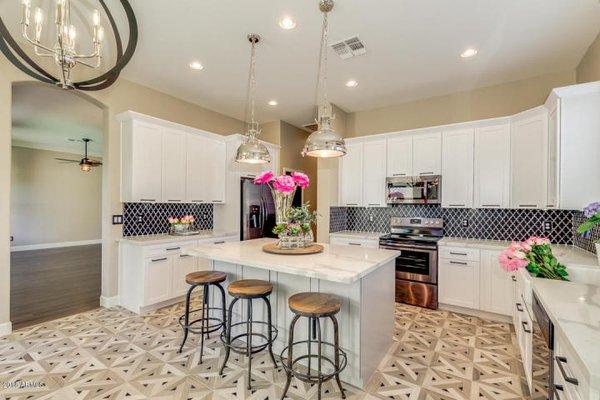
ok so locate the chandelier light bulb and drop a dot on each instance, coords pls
(39, 16)
(100, 34)
(72, 34)
(96, 18)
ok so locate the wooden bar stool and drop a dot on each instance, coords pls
(203, 279)
(249, 290)
(314, 306)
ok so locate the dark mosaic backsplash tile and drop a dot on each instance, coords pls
(338, 219)
(587, 241)
(494, 224)
(154, 217)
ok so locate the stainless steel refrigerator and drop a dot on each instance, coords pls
(257, 211)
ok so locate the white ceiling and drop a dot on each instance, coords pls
(413, 49)
(46, 117)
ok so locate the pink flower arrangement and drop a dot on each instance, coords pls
(301, 179)
(284, 183)
(535, 254)
(185, 220)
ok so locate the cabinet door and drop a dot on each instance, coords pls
(351, 182)
(458, 283)
(492, 167)
(529, 150)
(196, 169)
(457, 168)
(496, 285)
(214, 169)
(400, 156)
(157, 280)
(552, 188)
(146, 163)
(374, 172)
(427, 154)
(173, 166)
(182, 265)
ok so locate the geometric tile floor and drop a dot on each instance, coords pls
(115, 354)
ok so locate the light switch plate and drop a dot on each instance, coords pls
(117, 219)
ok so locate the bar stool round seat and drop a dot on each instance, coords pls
(251, 336)
(250, 288)
(315, 305)
(204, 277)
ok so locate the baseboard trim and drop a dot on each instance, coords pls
(476, 313)
(109, 302)
(5, 328)
(43, 246)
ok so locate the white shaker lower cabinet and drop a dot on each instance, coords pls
(457, 168)
(529, 155)
(492, 167)
(458, 282)
(496, 285)
(157, 279)
(344, 241)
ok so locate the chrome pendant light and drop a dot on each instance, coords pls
(252, 151)
(324, 142)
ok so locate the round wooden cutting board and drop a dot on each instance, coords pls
(273, 249)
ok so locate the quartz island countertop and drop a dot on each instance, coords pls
(344, 264)
(163, 238)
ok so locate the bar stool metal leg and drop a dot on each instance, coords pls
(290, 355)
(336, 343)
(228, 335)
(319, 375)
(204, 322)
(270, 333)
(249, 343)
(187, 316)
(223, 304)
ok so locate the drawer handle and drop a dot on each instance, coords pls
(217, 201)
(456, 205)
(197, 201)
(525, 324)
(148, 200)
(374, 204)
(491, 205)
(458, 263)
(514, 278)
(173, 248)
(426, 173)
(354, 244)
(184, 255)
(351, 204)
(528, 205)
(556, 389)
(174, 201)
(219, 242)
(563, 360)
(519, 307)
(458, 254)
(398, 174)
(159, 259)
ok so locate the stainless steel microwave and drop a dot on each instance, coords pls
(414, 190)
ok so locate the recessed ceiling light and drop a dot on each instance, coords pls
(196, 65)
(287, 23)
(468, 53)
(272, 102)
(351, 83)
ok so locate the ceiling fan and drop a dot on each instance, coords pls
(85, 163)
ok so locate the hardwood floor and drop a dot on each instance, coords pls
(53, 283)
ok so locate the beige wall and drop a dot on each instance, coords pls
(53, 202)
(489, 102)
(588, 69)
(124, 95)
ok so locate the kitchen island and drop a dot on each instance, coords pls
(363, 278)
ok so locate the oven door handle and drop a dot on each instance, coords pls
(423, 249)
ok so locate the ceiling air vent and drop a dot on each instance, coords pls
(349, 48)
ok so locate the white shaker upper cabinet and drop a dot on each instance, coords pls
(374, 173)
(457, 168)
(529, 152)
(351, 176)
(196, 169)
(427, 154)
(492, 166)
(173, 166)
(215, 170)
(400, 156)
(141, 160)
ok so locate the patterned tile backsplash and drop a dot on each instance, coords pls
(495, 224)
(586, 242)
(151, 218)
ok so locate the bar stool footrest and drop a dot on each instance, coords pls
(210, 328)
(242, 349)
(313, 378)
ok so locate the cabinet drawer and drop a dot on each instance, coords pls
(167, 249)
(569, 372)
(373, 244)
(458, 253)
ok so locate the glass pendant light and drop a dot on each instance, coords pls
(252, 151)
(324, 142)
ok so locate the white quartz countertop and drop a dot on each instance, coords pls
(571, 256)
(147, 240)
(574, 308)
(357, 235)
(345, 264)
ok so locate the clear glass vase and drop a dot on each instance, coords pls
(283, 203)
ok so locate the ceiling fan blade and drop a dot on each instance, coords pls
(67, 160)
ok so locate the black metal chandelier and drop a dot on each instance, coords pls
(63, 51)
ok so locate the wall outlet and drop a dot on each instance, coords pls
(371, 219)
(117, 220)
(139, 218)
(205, 216)
(465, 223)
(547, 226)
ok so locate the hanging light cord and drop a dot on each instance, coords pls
(251, 92)
(321, 95)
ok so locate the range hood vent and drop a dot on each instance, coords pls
(349, 48)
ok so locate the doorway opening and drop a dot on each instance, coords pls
(56, 204)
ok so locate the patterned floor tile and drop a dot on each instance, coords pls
(115, 354)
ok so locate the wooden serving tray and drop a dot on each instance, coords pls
(273, 249)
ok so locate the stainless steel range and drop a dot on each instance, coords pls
(416, 266)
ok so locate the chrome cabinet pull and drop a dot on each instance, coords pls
(354, 244)
(197, 201)
(426, 173)
(184, 255)
(174, 201)
(351, 204)
(219, 242)
(458, 254)
(514, 278)
(556, 389)
(491, 205)
(173, 248)
(519, 307)
(374, 204)
(458, 263)
(525, 324)
(148, 200)
(159, 259)
(563, 360)
(398, 174)
(528, 205)
(456, 205)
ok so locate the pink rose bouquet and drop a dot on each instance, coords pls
(535, 254)
(283, 188)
